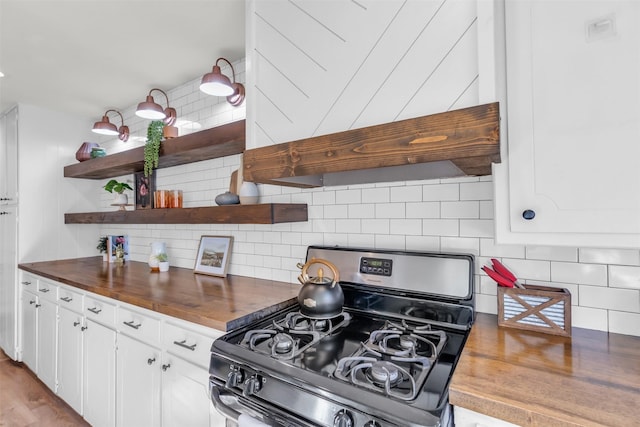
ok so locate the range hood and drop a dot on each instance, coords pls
(455, 143)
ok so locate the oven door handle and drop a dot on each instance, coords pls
(225, 410)
(229, 412)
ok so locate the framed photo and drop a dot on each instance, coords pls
(112, 244)
(213, 255)
(145, 187)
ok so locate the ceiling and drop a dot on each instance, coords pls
(86, 56)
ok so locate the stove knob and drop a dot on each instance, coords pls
(343, 419)
(372, 424)
(234, 378)
(252, 386)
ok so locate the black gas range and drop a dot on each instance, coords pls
(386, 360)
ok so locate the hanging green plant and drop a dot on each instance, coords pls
(152, 146)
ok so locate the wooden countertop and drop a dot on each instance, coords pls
(535, 379)
(220, 303)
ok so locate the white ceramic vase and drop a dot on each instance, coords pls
(163, 266)
(248, 193)
(121, 199)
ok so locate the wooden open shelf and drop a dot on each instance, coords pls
(266, 213)
(207, 144)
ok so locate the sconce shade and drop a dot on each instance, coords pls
(105, 127)
(149, 109)
(217, 84)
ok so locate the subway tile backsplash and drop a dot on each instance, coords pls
(434, 215)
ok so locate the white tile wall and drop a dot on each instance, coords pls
(435, 215)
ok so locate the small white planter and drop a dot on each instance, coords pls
(121, 199)
(164, 266)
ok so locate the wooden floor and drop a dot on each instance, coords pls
(26, 401)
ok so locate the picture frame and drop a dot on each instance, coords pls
(112, 244)
(145, 186)
(213, 255)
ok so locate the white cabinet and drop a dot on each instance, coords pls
(114, 363)
(185, 376)
(70, 340)
(8, 280)
(99, 382)
(47, 341)
(71, 325)
(138, 384)
(573, 108)
(29, 330)
(9, 157)
(466, 418)
(185, 395)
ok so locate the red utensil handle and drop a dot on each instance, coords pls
(498, 278)
(502, 270)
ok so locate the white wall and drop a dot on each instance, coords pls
(47, 141)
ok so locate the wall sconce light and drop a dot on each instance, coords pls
(151, 110)
(105, 127)
(217, 84)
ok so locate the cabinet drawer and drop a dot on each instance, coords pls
(138, 325)
(29, 282)
(100, 311)
(69, 299)
(47, 290)
(187, 344)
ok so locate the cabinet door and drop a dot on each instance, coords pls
(8, 281)
(30, 330)
(185, 395)
(573, 99)
(47, 342)
(70, 358)
(10, 165)
(138, 383)
(99, 383)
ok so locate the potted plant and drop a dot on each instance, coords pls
(163, 261)
(102, 247)
(118, 188)
(152, 146)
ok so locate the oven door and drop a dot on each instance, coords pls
(247, 412)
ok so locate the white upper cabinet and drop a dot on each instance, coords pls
(572, 177)
(314, 69)
(9, 157)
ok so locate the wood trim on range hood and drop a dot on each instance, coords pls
(454, 143)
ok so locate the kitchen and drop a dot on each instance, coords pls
(461, 215)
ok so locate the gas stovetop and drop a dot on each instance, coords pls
(387, 358)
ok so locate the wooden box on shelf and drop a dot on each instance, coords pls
(535, 308)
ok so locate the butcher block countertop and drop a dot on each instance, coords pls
(216, 302)
(536, 379)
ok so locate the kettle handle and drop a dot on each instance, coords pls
(304, 277)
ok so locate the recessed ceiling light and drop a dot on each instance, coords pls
(1, 74)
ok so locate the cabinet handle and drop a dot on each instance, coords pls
(26, 283)
(150, 361)
(165, 367)
(528, 214)
(4, 213)
(75, 324)
(44, 291)
(38, 305)
(32, 302)
(94, 310)
(182, 344)
(133, 325)
(84, 328)
(66, 299)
